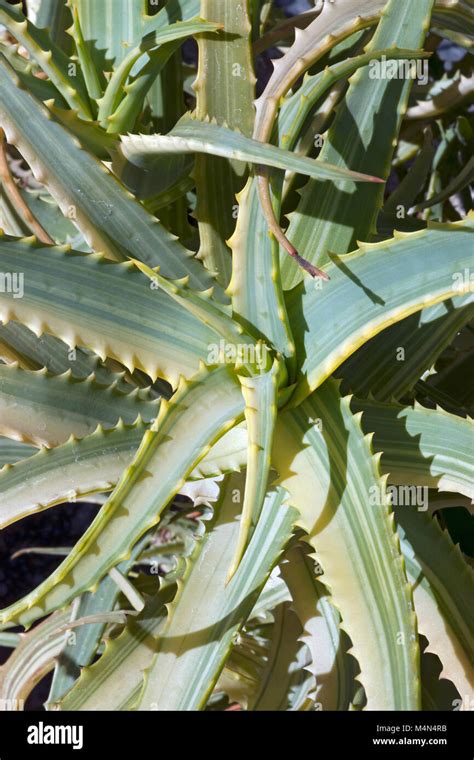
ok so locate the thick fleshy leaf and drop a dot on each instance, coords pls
(93, 464)
(419, 269)
(182, 678)
(326, 463)
(443, 585)
(195, 136)
(165, 40)
(55, 63)
(422, 447)
(111, 220)
(79, 298)
(217, 181)
(43, 409)
(362, 137)
(168, 454)
(260, 392)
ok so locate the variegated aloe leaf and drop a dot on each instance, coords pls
(182, 678)
(198, 415)
(326, 463)
(19, 344)
(443, 584)
(285, 684)
(111, 220)
(113, 682)
(330, 664)
(40, 408)
(336, 22)
(255, 286)
(419, 269)
(260, 392)
(80, 643)
(31, 660)
(66, 75)
(217, 181)
(390, 364)
(359, 139)
(255, 279)
(93, 464)
(193, 136)
(448, 15)
(165, 41)
(216, 316)
(422, 447)
(153, 334)
(66, 473)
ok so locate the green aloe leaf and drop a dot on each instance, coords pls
(153, 334)
(420, 269)
(193, 136)
(217, 181)
(362, 137)
(166, 40)
(159, 469)
(111, 220)
(40, 408)
(326, 463)
(443, 584)
(206, 631)
(94, 464)
(422, 447)
(65, 75)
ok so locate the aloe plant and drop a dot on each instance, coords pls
(220, 320)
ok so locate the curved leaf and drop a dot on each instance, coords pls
(196, 639)
(443, 584)
(193, 136)
(111, 220)
(326, 463)
(79, 298)
(425, 447)
(419, 269)
(168, 453)
(39, 408)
